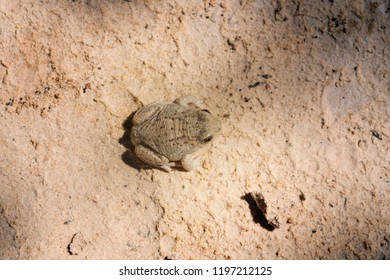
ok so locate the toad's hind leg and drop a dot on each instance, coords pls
(189, 100)
(147, 112)
(152, 158)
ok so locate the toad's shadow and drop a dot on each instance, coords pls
(129, 157)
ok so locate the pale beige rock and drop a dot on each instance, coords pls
(302, 91)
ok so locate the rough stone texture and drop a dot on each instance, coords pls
(302, 88)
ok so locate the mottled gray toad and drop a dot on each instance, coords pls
(164, 133)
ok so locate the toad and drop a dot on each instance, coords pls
(165, 133)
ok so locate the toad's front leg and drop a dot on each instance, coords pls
(189, 163)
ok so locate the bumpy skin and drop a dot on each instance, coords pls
(164, 133)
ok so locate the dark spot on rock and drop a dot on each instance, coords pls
(322, 122)
(254, 85)
(258, 209)
(376, 134)
(10, 102)
(231, 44)
(86, 86)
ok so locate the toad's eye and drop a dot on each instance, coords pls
(205, 110)
(208, 139)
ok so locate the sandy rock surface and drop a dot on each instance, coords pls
(302, 90)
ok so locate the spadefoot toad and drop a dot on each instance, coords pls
(165, 133)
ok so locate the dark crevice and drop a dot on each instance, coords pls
(69, 249)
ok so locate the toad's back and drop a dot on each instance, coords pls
(173, 132)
